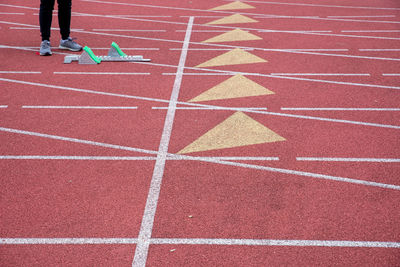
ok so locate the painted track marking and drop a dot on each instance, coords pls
(342, 109)
(380, 160)
(146, 227)
(76, 140)
(274, 242)
(100, 73)
(201, 241)
(76, 107)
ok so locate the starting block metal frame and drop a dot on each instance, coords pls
(115, 54)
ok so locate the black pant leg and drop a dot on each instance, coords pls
(64, 17)
(45, 18)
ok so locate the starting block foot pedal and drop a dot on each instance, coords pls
(115, 54)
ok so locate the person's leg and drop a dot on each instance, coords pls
(64, 20)
(64, 17)
(45, 18)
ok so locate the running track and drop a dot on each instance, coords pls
(284, 152)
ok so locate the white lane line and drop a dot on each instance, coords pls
(372, 31)
(128, 48)
(305, 50)
(368, 16)
(257, 31)
(3, 106)
(328, 119)
(128, 158)
(39, 157)
(318, 5)
(200, 74)
(77, 107)
(94, 48)
(356, 20)
(274, 242)
(276, 74)
(76, 140)
(350, 35)
(31, 49)
(204, 31)
(298, 31)
(102, 73)
(380, 160)
(146, 227)
(179, 157)
(342, 109)
(305, 174)
(391, 74)
(84, 90)
(321, 74)
(213, 108)
(326, 81)
(9, 13)
(20, 72)
(284, 17)
(126, 30)
(202, 17)
(201, 241)
(140, 16)
(380, 50)
(37, 27)
(209, 49)
(66, 241)
(292, 31)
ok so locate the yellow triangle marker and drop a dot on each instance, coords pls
(233, 57)
(233, 5)
(235, 87)
(236, 18)
(237, 130)
(233, 36)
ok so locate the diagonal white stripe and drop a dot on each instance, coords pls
(146, 227)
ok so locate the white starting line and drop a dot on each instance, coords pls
(76, 107)
(102, 73)
(201, 241)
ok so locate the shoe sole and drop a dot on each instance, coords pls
(70, 49)
(46, 54)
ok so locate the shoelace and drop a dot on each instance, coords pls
(45, 44)
(72, 39)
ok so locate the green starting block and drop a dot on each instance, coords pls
(115, 54)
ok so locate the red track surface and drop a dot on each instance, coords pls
(75, 182)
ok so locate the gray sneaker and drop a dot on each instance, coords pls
(70, 44)
(45, 48)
